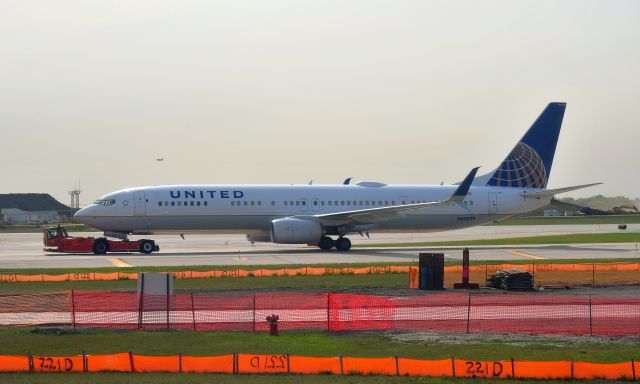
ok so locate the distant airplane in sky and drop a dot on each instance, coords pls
(312, 214)
(160, 159)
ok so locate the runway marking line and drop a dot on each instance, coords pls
(120, 263)
(518, 253)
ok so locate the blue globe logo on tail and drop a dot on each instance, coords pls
(523, 168)
(529, 163)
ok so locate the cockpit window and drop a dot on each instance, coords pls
(105, 202)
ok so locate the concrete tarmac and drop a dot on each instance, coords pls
(25, 250)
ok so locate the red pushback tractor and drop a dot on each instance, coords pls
(56, 239)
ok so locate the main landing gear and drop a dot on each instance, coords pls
(342, 244)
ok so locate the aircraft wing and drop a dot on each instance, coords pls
(374, 215)
(553, 192)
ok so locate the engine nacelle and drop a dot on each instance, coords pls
(295, 231)
(259, 237)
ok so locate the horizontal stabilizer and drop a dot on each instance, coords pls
(553, 192)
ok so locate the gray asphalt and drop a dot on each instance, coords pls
(25, 250)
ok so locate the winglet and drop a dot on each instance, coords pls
(463, 188)
(346, 181)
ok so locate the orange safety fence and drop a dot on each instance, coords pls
(544, 274)
(215, 273)
(284, 363)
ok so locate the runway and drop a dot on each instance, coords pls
(25, 250)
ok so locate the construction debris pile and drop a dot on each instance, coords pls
(511, 280)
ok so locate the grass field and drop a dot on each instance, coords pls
(579, 238)
(325, 282)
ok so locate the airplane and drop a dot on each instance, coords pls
(323, 215)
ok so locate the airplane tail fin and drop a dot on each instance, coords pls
(528, 165)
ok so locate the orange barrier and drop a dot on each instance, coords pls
(15, 363)
(213, 364)
(544, 274)
(388, 366)
(118, 362)
(216, 273)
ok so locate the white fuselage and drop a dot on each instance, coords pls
(250, 209)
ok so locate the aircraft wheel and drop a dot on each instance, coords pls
(100, 247)
(343, 244)
(146, 246)
(326, 243)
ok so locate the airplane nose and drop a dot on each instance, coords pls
(82, 216)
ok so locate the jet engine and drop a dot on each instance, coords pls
(295, 231)
(259, 237)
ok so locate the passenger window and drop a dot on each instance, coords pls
(297, 203)
(173, 203)
(259, 203)
(348, 202)
(273, 203)
(322, 203)
(246, 203)
(393, 203)
(366, 202)
(206, 203)
(233, 203)
(304, 202)
(252, 203)
(329, 202)
(315, 202)
(166, 203)
(285, 203)
(291, 203)
(471, 202)
(386, 202)
(342, 202)
(159, 203)
(198, 203)
(179, 203)
(191, 203)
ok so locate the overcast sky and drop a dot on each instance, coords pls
(413, 92)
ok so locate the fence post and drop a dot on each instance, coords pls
(73, 310)
(590, 318)
(328, 316)
(533, 272)
(235, 363)
(486, 272)
(85, 363)
(397, 366)
(633, 369)
(571, 369)
(254, 313)
(453, 366)
(341, 366)
(468, 313)
(132, 368)
(513, 369)
(30, 360)
(168, 302)
(141, 301)
(593, 274)
(193, 312)
(180, 361)
(288, 363)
